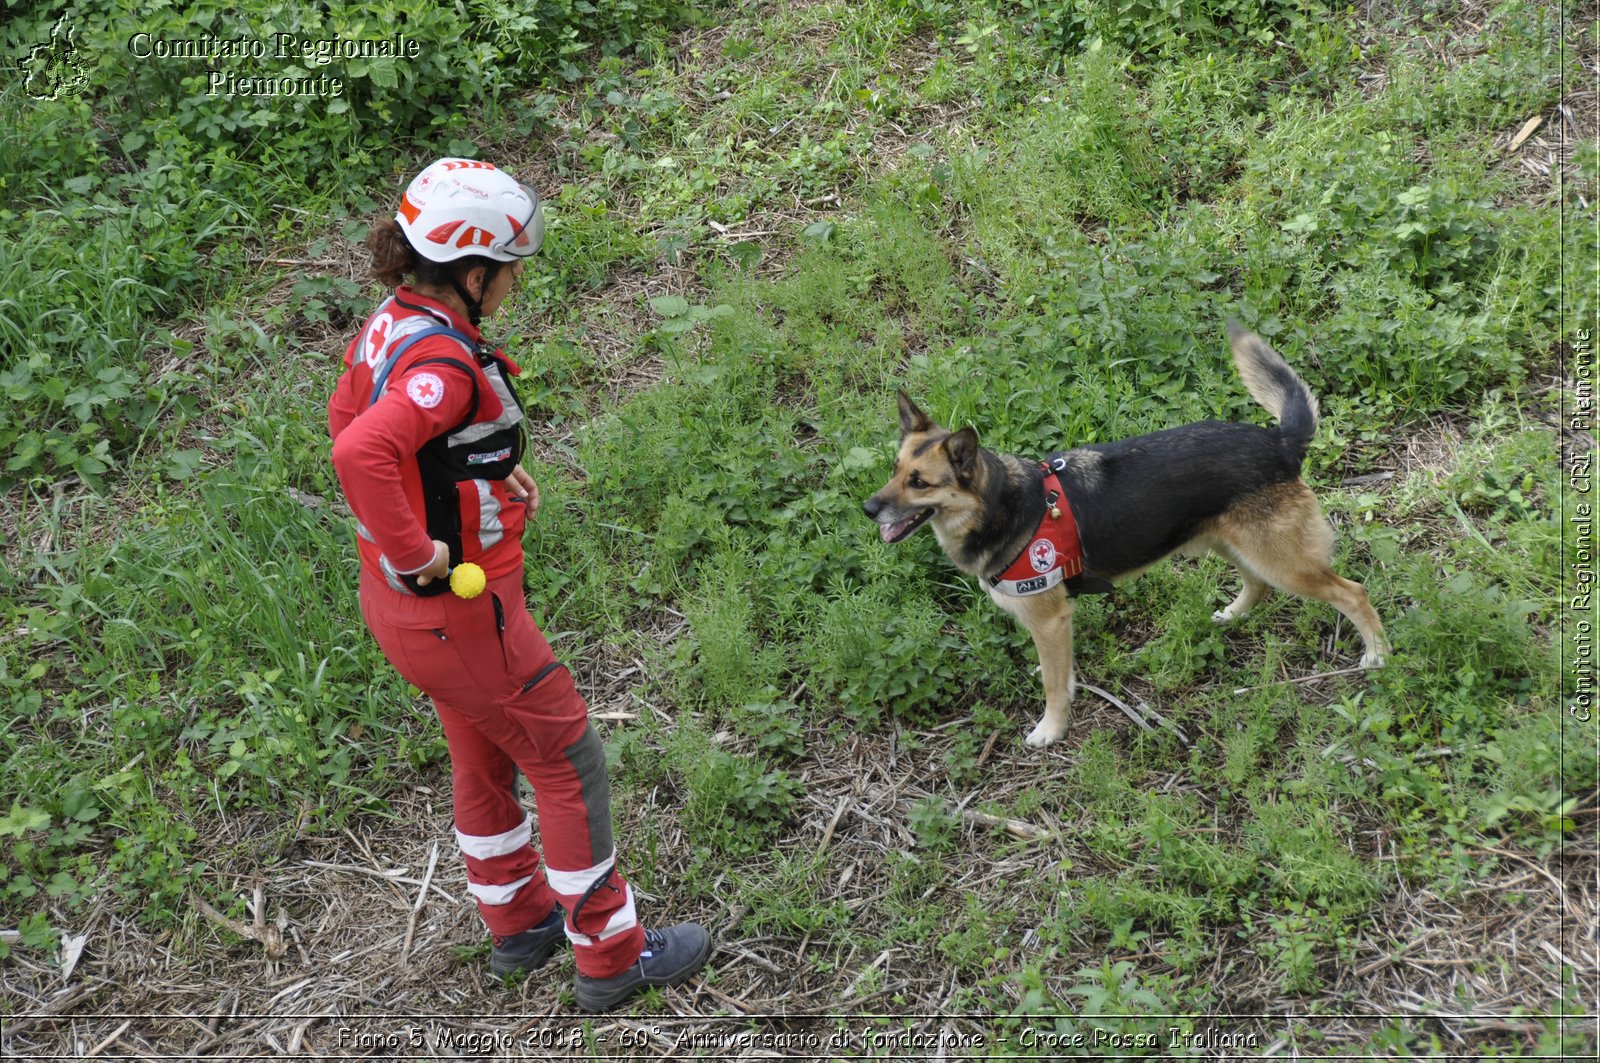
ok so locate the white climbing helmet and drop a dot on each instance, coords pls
(459, 207)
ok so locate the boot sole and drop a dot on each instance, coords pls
(593, 1000)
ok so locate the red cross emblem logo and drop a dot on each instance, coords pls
(1042, 555)
(426, 390)
(377, 339)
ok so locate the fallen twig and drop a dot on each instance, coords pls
(1526, 131)
(1141, 716)
(269, 937)
(298, 262)
(97, 1049)
(827, 835)
(395, 877)
(1127, 710)
(740, 1007)
(1015, 827)
(988, 747)
(416, 909)
(1357, 669)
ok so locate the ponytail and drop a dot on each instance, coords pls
(393, 258)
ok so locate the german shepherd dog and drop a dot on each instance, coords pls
(1230, 488)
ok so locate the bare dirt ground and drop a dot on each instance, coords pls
(365, 944)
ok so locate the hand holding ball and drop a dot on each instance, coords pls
(467, 580)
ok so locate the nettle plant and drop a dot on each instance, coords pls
(737, 803)
(44, 846)
(1449, 238)
(1158, 26)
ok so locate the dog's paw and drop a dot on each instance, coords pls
(1224, 616)
(1043, 734)
(1373, 660)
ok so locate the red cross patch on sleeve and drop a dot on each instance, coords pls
(425, 389)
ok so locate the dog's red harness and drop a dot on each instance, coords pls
(1053, 555)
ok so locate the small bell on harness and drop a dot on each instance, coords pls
(1050, 500)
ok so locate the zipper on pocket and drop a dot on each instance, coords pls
(439, 632)
(538, 676)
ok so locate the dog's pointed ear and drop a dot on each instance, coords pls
(911, 418)
(962, 450)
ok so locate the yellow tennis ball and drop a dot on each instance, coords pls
(467, 580)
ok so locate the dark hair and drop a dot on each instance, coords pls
(394, 259)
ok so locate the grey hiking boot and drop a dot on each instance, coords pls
(530, 949)
(670, 956)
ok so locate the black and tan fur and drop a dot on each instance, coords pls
(1234, 489)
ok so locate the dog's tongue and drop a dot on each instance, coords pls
(889, 532)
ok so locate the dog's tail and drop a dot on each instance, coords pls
(1275, 386)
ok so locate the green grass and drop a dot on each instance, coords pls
(1030, 233)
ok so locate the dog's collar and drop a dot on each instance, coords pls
(1054, 552)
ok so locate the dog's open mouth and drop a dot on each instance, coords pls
(893, 533)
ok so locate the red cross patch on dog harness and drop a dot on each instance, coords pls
(1053, 555)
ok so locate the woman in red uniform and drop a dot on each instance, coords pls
(427, 440)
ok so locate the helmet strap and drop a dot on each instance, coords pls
(474, 305)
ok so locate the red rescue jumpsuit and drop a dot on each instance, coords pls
(500, 694)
